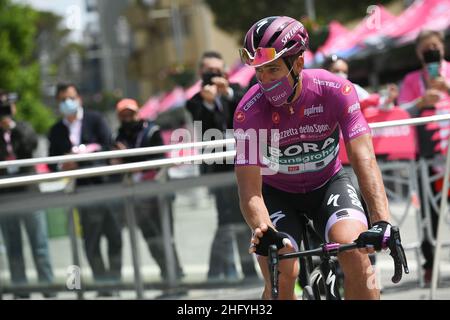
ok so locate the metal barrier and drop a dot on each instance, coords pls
(130, 189)
(107, 192)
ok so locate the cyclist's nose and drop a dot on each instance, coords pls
(264, 77)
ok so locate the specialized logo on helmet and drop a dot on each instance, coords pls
(346, 89)
(240, 116)
(260, 24)
(276, 117)
(291, 33)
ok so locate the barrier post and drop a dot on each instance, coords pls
(414, 195)
(70, 188)
(440, 231)
(167, 238)
(131, 222)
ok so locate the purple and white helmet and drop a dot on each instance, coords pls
(282, 36)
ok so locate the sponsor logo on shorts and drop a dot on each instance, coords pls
(342, 214)
(294, 168)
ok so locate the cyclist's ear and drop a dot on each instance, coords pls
(299, 64)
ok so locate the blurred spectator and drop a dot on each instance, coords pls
(388, 97)
(18, 141)
(81, 131)
(423, 88)
(135, 133)
(339, 66)
(421, 91)
(214, 106)
(385, 100)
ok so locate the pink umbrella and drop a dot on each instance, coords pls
(150, 109)
(192, 90)
(411, 20)
(155, 105)
(242, 76)
(336, 31)
(369, 26)
(436, 19)
(175, 98)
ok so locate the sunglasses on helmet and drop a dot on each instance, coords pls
(262, 55)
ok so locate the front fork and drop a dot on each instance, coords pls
(330, 280)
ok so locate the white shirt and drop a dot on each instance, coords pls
(75, 128)
(9, 148)
(210, 106)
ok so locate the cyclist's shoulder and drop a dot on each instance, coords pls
(252, 100)
(331, 89)
(251, 108)
(324, 81)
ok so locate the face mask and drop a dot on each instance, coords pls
(278, 91)
(69, 107)
(341, 74)
(431, 56)
(131, 127)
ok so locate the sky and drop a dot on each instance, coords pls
(72, 10)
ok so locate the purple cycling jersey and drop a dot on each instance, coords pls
(300, 148)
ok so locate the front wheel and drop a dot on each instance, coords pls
(308, 293)
(317, 284)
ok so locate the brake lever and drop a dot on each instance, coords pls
(273, 269)
(398, 255)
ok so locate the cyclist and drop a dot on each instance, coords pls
(294, 169)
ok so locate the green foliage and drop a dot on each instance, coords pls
(18, 71)
(237, 16)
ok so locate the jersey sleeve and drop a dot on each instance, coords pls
(247, 141)
(350, 118)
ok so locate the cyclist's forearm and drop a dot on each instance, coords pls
(255, 212)
(372, 188)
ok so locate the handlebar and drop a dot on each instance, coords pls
(398, 255)
(332, 249)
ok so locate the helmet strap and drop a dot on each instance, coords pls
(295, 78)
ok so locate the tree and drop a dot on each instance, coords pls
(236, 16)
(18, 68)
